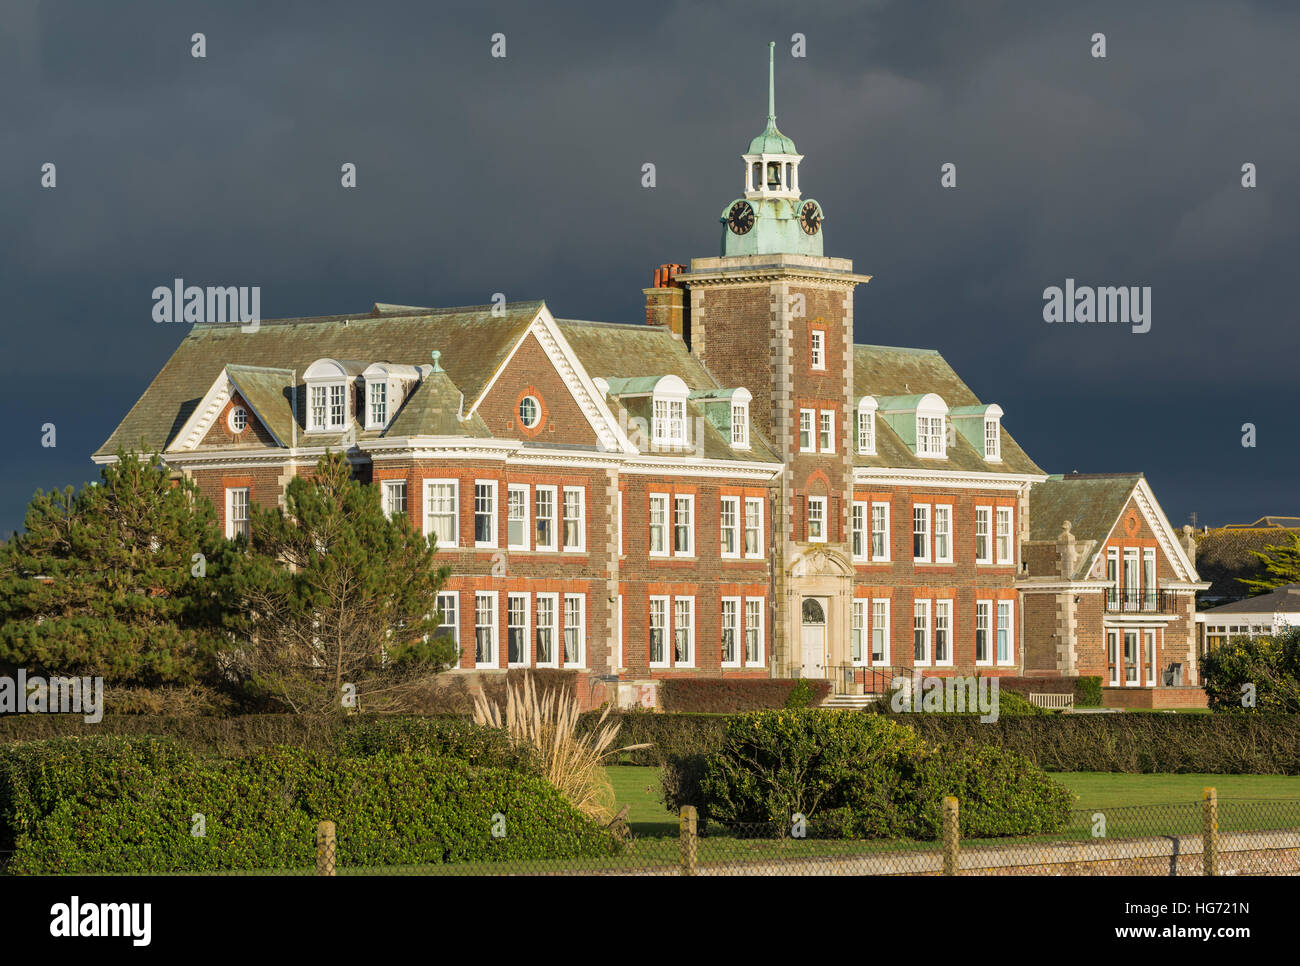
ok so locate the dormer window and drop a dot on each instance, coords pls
(327, 396)
(992, 440)
(929, 436)
(384, 391)
(931, 431)
(377, 410)
(668, 411)
(740, 418)
(867, 426)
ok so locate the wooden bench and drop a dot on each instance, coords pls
(1055, 702)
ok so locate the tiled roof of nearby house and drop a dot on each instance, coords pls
(1282, 600)
(1290, 523)
(1224, 554)
(890, 371)
(473, 342)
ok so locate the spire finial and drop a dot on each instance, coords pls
(771, 81)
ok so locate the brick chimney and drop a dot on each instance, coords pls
(667, 302)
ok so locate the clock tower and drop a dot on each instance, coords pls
(774, 315)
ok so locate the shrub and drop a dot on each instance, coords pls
(1270, 665)
(1009, 703)
(1087, 692)
(438, 737)
(660, 737)
(854, 775)
(112, 805)
(730, 695)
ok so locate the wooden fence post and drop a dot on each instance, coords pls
(325, 854)
(951, 835)
(1210, 831)
(687, 826)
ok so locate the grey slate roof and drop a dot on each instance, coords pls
(1284, 599)
(473, 342)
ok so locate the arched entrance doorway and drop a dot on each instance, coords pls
(814, 637)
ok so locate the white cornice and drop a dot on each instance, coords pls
(892, 476)
(1053, 585)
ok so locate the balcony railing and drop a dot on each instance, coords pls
(1143, 602)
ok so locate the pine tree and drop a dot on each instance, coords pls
(116, 580)
(335, 604)
(1281, 567)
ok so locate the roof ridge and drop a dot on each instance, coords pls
(369, 316)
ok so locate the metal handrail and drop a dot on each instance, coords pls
(1150, 601)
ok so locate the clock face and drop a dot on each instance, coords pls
(810, 219)
(741, 217)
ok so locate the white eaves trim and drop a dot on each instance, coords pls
(893, 476)
(1155, 518)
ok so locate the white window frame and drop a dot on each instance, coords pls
(733, 503)
(688, 499)
(984, 514)
(554, 626)
(377, 387)
(740, 425)
(807, 430)
(921, 622)
(755, 607)
(993, 440)
(387, 488)
(984, 611)
(1149, 578)
(817, 348)
(231, 529)
(1010, 606)
(666, 627)
(884, 532)
(511, 598)
(883, 626)
(581, 545)
(822, 503)
(440, 602)
(826, 430)
(942, 510)
(618, 632)
(737, 639)
(518, 490)
(620, 524)
(754, 501)
(921, 516)
(581, 601)
(317, 408)
(689, 602)
(493, 628)
(554, 518)
(930, 444)
(860, 632)
(1007, 513)
(668, 420)
(426, 515)
(665, 524)
(867, 426)
(860, 531)
(943, 609)
(489, 487)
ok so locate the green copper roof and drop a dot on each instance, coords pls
(771, 141)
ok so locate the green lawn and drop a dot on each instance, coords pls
(638, 787)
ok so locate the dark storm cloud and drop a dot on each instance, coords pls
(522, 176)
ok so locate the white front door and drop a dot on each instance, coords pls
(814, 638)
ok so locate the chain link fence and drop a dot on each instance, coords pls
(1237, 837)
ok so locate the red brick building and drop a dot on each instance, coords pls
(733, 488)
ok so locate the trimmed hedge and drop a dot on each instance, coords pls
(731, 695)
(1255, 744)
(861, 776)
(112, 805)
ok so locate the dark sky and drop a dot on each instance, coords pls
(522, 175)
